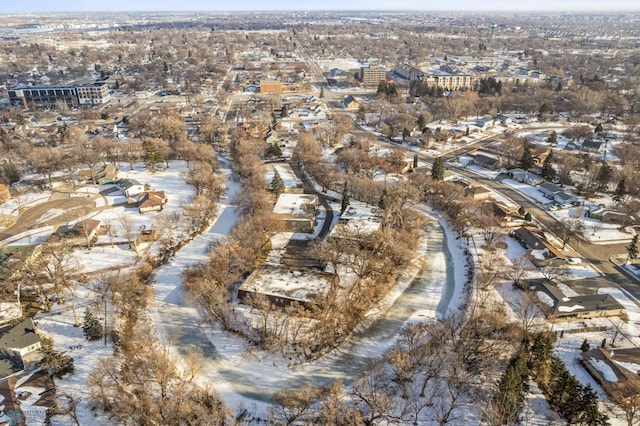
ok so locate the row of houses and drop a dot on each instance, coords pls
(549, 190)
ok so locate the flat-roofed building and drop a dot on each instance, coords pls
(372, 76)
(282, 286)
(270, 86)
(93, 94)
(448, 81)
(297, 212)
(48, 97)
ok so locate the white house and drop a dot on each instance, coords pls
(130, 187)
(21, 338)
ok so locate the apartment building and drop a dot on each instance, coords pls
(372, 76)
(450, 81)
(46, 97)
(410, 73)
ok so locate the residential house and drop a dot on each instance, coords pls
(525, 177)
(507, 216)
(5, 194)
(16, 343)
(622, 363)
(104, 175)
(609, 215)
(350, 102)
(581, 306)
(27, 399)
(130, 187)
(478, 192)
(591, 146)
(486, 162)
(150, 201)
(563, 197)
(540, 251)
(549, 190)
(297, 212)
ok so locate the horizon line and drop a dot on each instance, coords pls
(603, 11)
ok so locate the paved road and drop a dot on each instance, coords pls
(596, 254)
(70, 208)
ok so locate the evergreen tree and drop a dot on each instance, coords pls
(152, 154)
(91, 326)
(321, 92)
(553, 138)
(632, 250)
(466, 132)
(589, 412)
(548, 172)
(599, 129)
(55, 363)
(528, 217)
(509, 396)
(621, 190)
(527, 161)
(522, 211)
(345, 200)
(437, 170)
(277, 184)
(274, 151)
(415, 161)
(422, 122)
(405, 133)
(604, 177)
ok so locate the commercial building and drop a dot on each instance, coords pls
(409, 73)
(372, 76)
(47, 97)
(448, 81)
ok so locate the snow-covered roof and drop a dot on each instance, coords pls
(299, 285)
(358, 219)
(296, 205)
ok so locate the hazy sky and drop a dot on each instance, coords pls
(172, 5)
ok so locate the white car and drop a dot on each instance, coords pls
(574, 260)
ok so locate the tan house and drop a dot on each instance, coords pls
(150, 201)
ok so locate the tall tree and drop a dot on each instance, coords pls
(604, 176)
(548, 172)
(277, 184)
(620, 191)
(91, 327)
(437, 170)
(152, 155)
(527, 161)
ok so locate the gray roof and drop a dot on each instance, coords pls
(550, 188)
(592, 144)
(19, 336)
(127, 183)
(582, 303)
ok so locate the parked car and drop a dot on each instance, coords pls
(574, 260)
